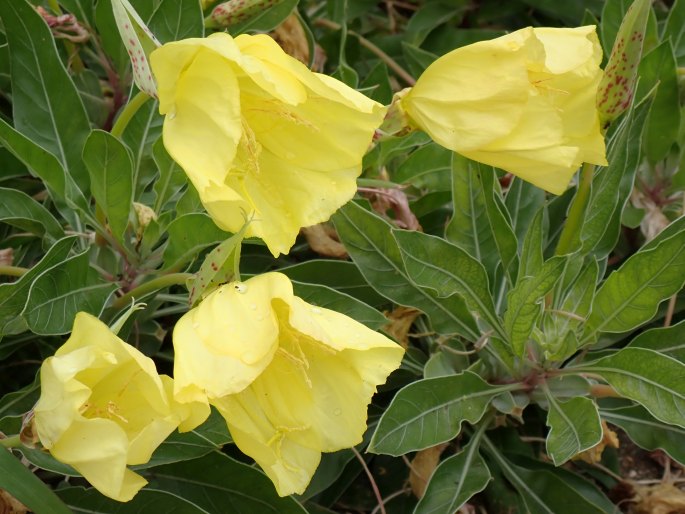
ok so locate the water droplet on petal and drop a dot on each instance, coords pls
(316, 310)
(253, 306)
(337, 412)
(172, 115)
(241, 288)
(289, 155)
(196, 325)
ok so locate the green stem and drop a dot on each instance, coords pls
(149, 287)
(12, 271)
(128, 112)
(11, 442)
(576, 213)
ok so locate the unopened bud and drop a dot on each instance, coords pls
(617, 87)
(145, 215)
(233, 12)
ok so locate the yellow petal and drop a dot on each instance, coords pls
(199, 95)
(537, 120)
(97, 448)
(476, 93)
(222, 345)
(289, 465)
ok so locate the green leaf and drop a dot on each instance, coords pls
(417, 59)
(574, 426)
(17, 403)
(651, 379)
(13, 296)
(267, 19)
(220, 266)
(39, 161)
(45, 103)
(90, 501)
(328, 298)
(430, 411)
(216, 481)
(647, 432)
(343, 276)
(188, 236)
(63, 290)
(431, 16)
(370, 243)
(611, 186)
(111, 177)
(659, 68)
(171, 177)
(523, 201)
(454, 481)
(22, 211)
(470, 228)
(524, 302)
(174, 20)
(139, 43)
(675, 29)
(666, 340)
(144, 129)
(531, 250)
(632, 294)
(549, 490)
(571, 307)
(434, 263)
(26, 487)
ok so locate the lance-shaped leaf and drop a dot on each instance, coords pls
(616, 89)
(431, 411)
(632, 294)
(655, 381)
(26, 487)
(111, 176)
(434, 263)
(549, 490)
(667, 340)
(525, 302)
(574, 426)
(370, 242)
(91, 500)
(219, 267)
(454, 481)
(63, 290)
(139, 42)
(647, 432)
(45, 103)
(188, 236)
(13, 296)
(22, 211)
(216, 481)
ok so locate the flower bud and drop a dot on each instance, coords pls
(618, 84)
(236, 11)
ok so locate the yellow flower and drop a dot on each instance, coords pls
(260, 135)
(103, 406)
(291, 380)
(524, 102)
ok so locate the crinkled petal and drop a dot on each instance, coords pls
(98, 448)
(286, 197)
(474, 94)
(225, 343)
(203, 124)
(290, 466)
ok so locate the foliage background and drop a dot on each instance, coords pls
(58, 105)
